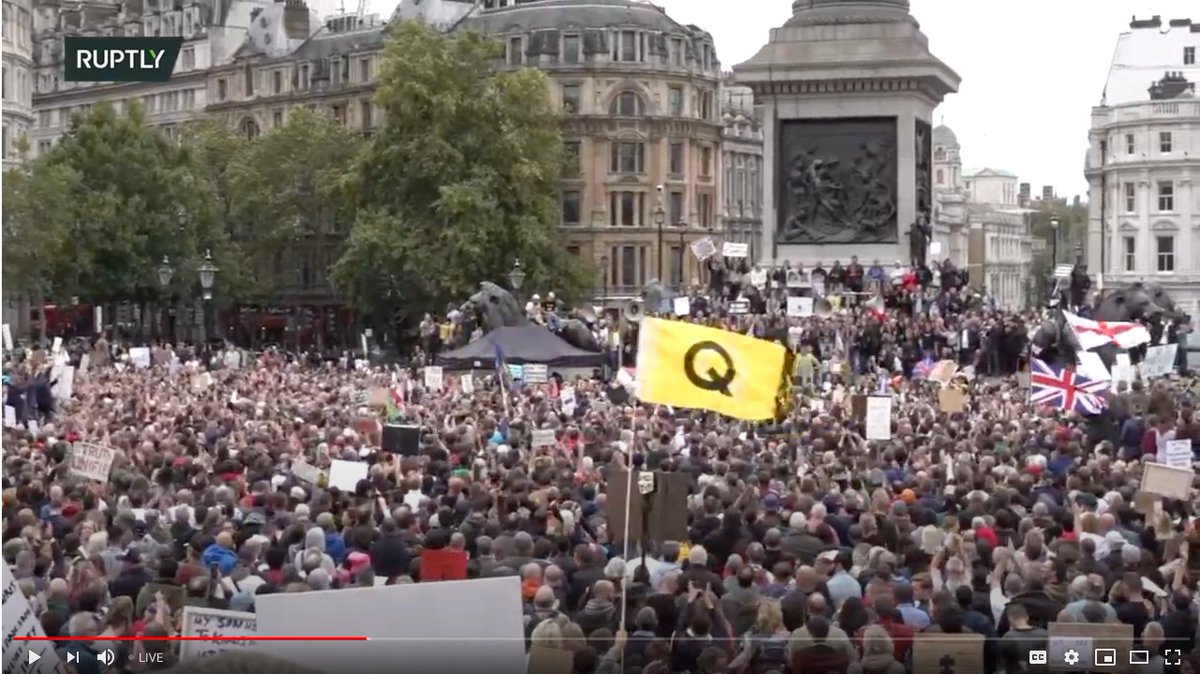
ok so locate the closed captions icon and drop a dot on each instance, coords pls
(1038, 657)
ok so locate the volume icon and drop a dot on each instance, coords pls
(107, 657)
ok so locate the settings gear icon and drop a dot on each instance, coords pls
(1071, 657)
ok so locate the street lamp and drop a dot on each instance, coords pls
(165, 273)
(516, 276)
(1054, 241)
(660, 217)
(1079, 252)
(208, 274)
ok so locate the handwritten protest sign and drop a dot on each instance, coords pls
(211, 622)
(543, 437)
(21, 621)
(879, 418)
(91, 462)
(433, 377)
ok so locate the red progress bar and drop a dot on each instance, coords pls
(182, 638)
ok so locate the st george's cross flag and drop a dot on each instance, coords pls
(1065, 389)
(1092, 334)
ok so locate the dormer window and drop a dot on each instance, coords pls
(629, 46)
(516, 52)
(939, 154)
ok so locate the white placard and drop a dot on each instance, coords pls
(682, 305)
(363, 338)
(139, 356)
(542, 437)
(233, 359)
(56, 346)
(304, 470)
(467, 384)
(536, 373)
(1122, 371)
(8, 343)
(65, 384)
(935, 248)
(433, 377)
(84, 362)
(1159, 361)
(739, 307)
(209, 622)
(731, 249)
(794, 279)
(345, 474)
(1092, 367)
(567, 395)
(21, 621)
(10, 416)
(490, 641)
(91, 462)
(879, 418)
(799, 307)
(98, 319)
(1179, 453)
(32, 426)
(704, 248)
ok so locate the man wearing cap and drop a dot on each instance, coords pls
(132, 578)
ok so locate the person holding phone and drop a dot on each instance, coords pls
(700, 627)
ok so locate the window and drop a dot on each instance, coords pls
(572, 207)
(277, 118)
(364, 113)
(570, 49)
(1130, 198)
(706, 105)
(1165, 253)
(1189, 56)
(277, 82)
(304, 76)
(4, 142)
(248, 80)
(941, 177)
(189, 58)
(515, 57)
(339, 114)
(1130, 144)
(1166, 196)
(571, 99)
(675, 101)
(571, 153)
(44, 147)
(705, 162)
(628, 157)
(629, 266)
(675, 208)
(705, 211)
(1164, 142)
(1129, 253)
(222, 89)
(626, 104)
(677, 52)
(625, 209)
(676, 159)
(625, 48)
(574, 251)
(676, 271)
(250, 129)
(939, 154)
(345, 70)
(364, 70)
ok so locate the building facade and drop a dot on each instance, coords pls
(18, 76)
(212, 30)
(742, 167)
(1002, 251)
(640, 94)
(950, 226)
(1143, 164)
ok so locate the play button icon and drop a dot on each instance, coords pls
(34, 656)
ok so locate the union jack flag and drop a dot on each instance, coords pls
(1065, 389)
(922, 368)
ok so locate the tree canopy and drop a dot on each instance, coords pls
(461, 180)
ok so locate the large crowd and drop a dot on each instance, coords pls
(808, 548)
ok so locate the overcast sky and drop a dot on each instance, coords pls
(1031, 69)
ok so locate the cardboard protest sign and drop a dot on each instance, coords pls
(306, 471)
(1179, 454)
(378, 397)
(704, 248)
(1167, 481)
(799, 307)
(536, 373)
(1089, 641)
(731, 249)
(1159, 361)
(91, 462)
(936, 653)
(951, 400)
(543, 660)
(21, 621)
(208, 622)
(943, 371)
(542, 437)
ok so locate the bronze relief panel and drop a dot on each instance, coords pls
(837, 181)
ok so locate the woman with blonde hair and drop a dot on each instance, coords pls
(878, 654)
(765, 646)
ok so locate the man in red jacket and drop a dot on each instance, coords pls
(443, 557)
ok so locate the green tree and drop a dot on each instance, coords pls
(459, 182)
(132, 201)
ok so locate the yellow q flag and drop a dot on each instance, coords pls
(687, 365)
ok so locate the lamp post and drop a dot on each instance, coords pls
(516, 277)
(604, 276)
(1078, 252)
(165, 273)
(1054, 242)
(660, 217)
(208, 274)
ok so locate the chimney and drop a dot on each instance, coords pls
(1172, 85)
(296, 20)
(1048, 193)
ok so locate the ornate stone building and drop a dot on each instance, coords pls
(1001, 250)
(641, 97)
(742, 166)
(1143, 165)
(950, 230)
(18, 75)
(212, 30)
